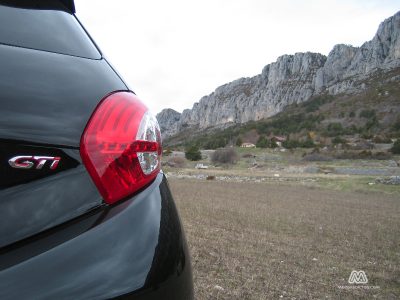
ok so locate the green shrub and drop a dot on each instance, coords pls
(214, 143)
(353, 129)
(290, 144)
(193, 153)
(367, 113)
(286, 124)
(272, 144)
(315, 103)
(396, 125)
(366, 134)
(262, 142)
(239, 141)
(224, 156)
(309, 143)
(334, 129)
(396, 147)
(371, 123)
(338, 140)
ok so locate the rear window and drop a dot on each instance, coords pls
(45, 29)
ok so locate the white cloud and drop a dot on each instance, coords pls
(171, 53)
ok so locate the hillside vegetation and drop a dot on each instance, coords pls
(373, 114)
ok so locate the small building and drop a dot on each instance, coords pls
(278, 140)
(247, 145)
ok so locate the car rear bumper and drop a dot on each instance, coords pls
(134, 250)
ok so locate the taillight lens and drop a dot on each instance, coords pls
(121, 146)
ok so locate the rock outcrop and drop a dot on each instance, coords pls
(169, 121)
(291, 79)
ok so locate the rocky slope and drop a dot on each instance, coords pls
(291, 79)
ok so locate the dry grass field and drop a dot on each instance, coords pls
(277, 241)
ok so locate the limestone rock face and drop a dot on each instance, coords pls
(168, 120)
(291, 79)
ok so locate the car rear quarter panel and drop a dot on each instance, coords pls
(47, 97)
(138, 251)
(46, 100)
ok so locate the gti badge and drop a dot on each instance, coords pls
(28, 162)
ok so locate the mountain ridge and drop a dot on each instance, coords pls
(291, 79)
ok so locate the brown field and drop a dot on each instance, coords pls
(277, 241)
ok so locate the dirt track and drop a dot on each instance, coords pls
(267, 241)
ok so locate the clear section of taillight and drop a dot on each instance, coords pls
(149, 131)
(121, 146)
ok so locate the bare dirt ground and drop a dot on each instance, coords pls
(277, 241)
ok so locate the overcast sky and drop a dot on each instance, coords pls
(171, 53)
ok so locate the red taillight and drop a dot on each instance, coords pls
(121, 146)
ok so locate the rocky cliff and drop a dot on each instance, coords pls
(291, 79)
(169, 120)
